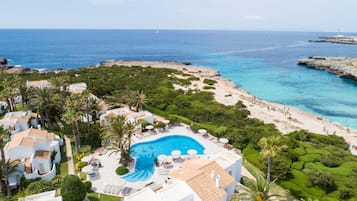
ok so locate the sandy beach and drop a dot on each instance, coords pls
(285, 118)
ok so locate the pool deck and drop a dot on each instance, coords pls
(107, 175)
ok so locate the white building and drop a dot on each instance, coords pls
(40, 84)
(35, 149)
(229, 161)
(198, 179)
(175, 191)
(128, 114)
(19, 121)
(45, 196)
(77, 87)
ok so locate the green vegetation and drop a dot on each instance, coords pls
(88, 186)
(153, 90)
(121, 170)
(73, 189)
(102, 197)
(209, 82)
(80, 165)
(209, 87)
(259, 190)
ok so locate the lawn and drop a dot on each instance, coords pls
(63, 166)
(102, 197)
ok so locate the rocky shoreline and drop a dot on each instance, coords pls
(345, 67)
(339, 39)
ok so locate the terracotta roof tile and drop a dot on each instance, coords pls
(197, 174)
(23, 138)
(42, 154)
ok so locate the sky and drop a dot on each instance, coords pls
(276, 15)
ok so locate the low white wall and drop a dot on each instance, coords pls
(48, 176)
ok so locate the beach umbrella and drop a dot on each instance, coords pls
(202, 131)
(87, 169)
(161, 157)
(176, 153)
(192, 152)
(223, 140)
(149, 127)
(166, 121)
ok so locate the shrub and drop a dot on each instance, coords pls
(345, 193)
(322, 179)
(79, 157)
(281, 167)
(39, 187)
(80, 165)
(160, 124)
(88, 186)
(82, 176)
(85, 149)
(121, 170)
(220, 131)
(330, 160)
(298, 165)
(192, 78)
(73, 189)
(143, 123)
(57, 181)
(208, 87)
(25, 182)
(209, 82)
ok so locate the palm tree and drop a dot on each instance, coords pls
(73, 113)
(7, 166)
(11, 90)
(139, 99)
(43, 100)
(258, 190)
(59, 83)
(91, 108)
(119, 133)
(25, 93)
(11, 167)
(269, 148)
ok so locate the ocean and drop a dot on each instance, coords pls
(263, 63)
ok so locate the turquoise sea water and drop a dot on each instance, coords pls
(263, 63)
(146, 153)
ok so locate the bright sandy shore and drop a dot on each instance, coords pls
(286, 119)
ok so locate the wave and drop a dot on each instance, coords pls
(246, 50)
(299, 44)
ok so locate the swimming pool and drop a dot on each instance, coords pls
(146, 153)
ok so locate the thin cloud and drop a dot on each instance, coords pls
(105, 2)
(253, 17)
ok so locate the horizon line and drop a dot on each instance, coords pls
(164, 29)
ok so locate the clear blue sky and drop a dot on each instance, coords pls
(290, 15)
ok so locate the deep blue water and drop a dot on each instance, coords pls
(146, 153)
(264, 63)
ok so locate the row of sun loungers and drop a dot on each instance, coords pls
(117, 190)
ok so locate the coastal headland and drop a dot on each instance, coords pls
(285, 118)
(340, 39)
(345, 67)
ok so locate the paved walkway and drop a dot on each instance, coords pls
(69, 156)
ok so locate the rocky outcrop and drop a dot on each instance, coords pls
(345, 67)
(340, 39)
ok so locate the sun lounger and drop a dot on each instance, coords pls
(126, 191)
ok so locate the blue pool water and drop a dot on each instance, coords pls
(146, 153)
(263, 63)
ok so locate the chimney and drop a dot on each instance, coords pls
(218, 181)
(212, 174)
